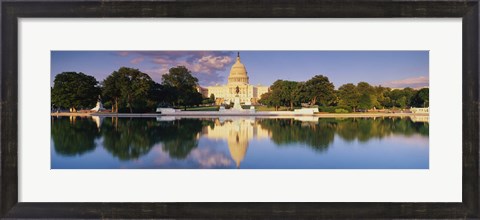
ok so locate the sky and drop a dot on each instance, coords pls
(395, 69)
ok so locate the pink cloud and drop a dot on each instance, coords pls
(137, 60)
(161, 60)
(216, 62)
(413, 82)
(123, 53)
(208, 66)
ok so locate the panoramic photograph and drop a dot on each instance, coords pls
(241, 109)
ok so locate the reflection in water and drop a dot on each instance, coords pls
(317, 135)
(130, 138)
(238, 142)
(73, 136)
(98, 121)
(179, 137)
(364, 129)
(127, 138)
(237, 132)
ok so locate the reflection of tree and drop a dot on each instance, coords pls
(180, 136)
(421, 127)
(364, 129)
(130, 138)
(317, 135)
(179, 149)
(74, 136)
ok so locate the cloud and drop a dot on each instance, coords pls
(207, 158)
(157, 72)
(137, 60)
(161, 60)
(208, 66)
(123, 53)
(413, 82)
(203, 158)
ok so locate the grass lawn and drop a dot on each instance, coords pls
(257, 108)
(203, 108)
(266, 108)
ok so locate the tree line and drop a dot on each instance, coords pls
(130, 90)
(126, 90)
(319, 91)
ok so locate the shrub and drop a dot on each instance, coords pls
(329, 109)
(340, 110)
(345, 107)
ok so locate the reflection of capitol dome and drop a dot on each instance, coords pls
(238, 148)
(238, 132)
(238, 73)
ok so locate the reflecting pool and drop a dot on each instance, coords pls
(239, 142)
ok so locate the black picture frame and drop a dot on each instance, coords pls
(12, 10)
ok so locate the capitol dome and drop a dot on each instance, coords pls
(238, 73)
(238, 86)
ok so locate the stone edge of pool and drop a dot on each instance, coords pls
(205, 113)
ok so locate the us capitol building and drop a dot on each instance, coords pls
(225, 94)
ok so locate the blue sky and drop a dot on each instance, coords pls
(396, 69)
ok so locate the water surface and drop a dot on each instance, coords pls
(238, 142)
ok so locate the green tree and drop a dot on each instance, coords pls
(401, 97)
(155, 96)
(135, 86)
(394, 97)
(184, 84)
(402, 102)
(131, 86)
(382, 96)
(408, 93)
(285, 92)
(270, 100)
(318, 90)
(367, 98)
(348, 95)
(74, 90)
(192, 97)
(168, 94)
(111, 89)
(421, 98)
(301, 94)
